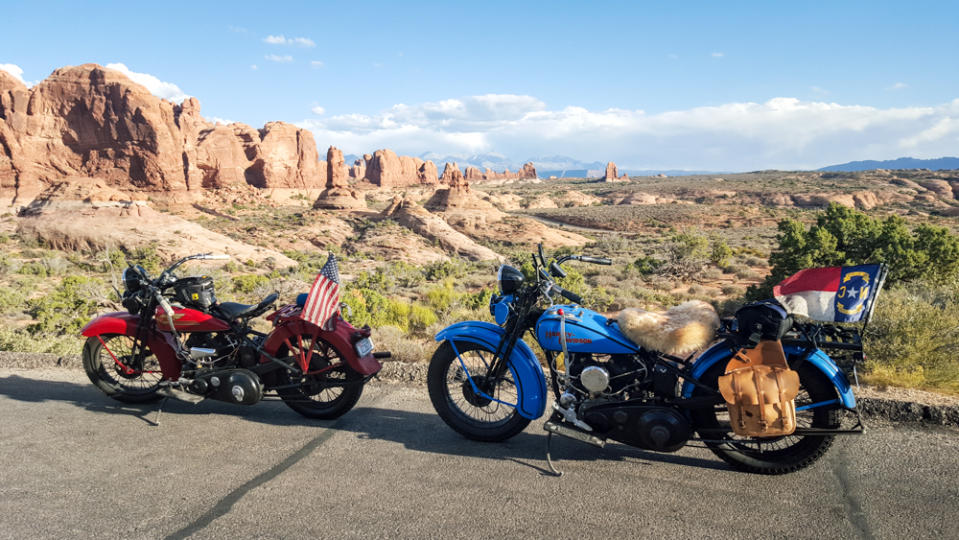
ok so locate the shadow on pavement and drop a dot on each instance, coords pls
(423, 432)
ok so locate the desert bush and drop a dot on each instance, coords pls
(443, 269)
(403, 347)
(248, 282)
(64, 310)
(720, 252)
(843, 236)
(733, 290)
(913, 338)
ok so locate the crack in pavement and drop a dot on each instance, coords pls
(224, 505)
(850, 498)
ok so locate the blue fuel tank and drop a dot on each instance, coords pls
(586, 332)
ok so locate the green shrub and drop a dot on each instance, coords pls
(421, 317)
(843, 236)
(444, 269)
(913, 338)
(248, 282)
(720, 252)
(66, 308)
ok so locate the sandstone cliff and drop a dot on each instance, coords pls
(90, 121)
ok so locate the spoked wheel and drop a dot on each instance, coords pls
(328, 389)
(468, 410)
(773, 455)
(114, 368)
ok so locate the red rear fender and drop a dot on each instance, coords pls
(342, 339)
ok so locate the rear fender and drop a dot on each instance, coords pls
(341, 338)
(723, 352)
(525, 368)
(161, 344)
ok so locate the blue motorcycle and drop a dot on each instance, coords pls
(487, 384)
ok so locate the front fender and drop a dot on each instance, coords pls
(530, 381)
(723, 352)
(161, 344)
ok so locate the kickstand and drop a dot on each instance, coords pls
(549, 459)
(156, 419)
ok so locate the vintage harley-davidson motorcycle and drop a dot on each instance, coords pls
(176, 340)
(766, 397)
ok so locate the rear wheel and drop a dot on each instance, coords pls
(471, 413)
(772, 455)
(328, 389)
(113, 367)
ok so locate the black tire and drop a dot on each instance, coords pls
(774, 455)
(469, 414)
(140, 386)
(323, 396)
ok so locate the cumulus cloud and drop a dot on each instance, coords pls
(785, 133)
(283, 40)
(717, 54)
(162, 89)
(898, 86)
(316, 63)
(318, 110)
(280, 59)
(14, 70)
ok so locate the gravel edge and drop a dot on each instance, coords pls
(893, 408)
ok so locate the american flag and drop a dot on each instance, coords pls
(324, 299)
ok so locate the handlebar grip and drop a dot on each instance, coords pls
(569, 295)
(597, 260)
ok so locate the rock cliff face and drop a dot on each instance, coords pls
(89, 121)
(386, 169)
(612, 175)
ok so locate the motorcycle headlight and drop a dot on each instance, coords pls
(509, 279)
(133, 278)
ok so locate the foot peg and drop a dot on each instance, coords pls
(573, 433)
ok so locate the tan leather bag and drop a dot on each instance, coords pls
(760, 391)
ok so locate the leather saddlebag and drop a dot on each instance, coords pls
(760, 391)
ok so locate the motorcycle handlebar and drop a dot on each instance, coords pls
(596, 260)
(569, 295)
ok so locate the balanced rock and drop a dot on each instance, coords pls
(338, 193)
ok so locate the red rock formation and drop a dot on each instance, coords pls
(451, 175)
(358, 170)
(426, 174)
(338, 193)
(611, 174)
(472, 174)
(528, 172)
(88, 121)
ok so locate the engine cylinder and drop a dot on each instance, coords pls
(595, 379)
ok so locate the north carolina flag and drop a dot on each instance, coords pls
(834, 294)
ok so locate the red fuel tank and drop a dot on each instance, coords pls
(189, 320)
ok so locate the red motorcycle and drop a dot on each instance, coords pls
(198, 348)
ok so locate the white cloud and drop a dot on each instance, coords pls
(224, 121)
(717, 54)
(898, 86)
(316, 63)
(254, 67)
(318, 110)
(284, 59)
(162, 89)
(14, 70)
(785, 133)
(283, 40)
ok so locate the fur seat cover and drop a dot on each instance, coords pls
(679, 331)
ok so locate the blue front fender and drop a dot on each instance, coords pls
(721, 352)
(530, 381)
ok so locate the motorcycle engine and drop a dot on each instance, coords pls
(607, 375)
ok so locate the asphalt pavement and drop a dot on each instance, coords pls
(76, 464)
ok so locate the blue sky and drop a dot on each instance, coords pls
(700, 85)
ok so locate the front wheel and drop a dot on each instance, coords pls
(120, 369)
(771, 455)
(328, 389)
(470, 412)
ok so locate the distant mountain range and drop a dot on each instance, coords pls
(567, 167)
(901, 163)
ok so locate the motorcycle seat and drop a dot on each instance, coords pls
(678, 331)
(235, 310)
